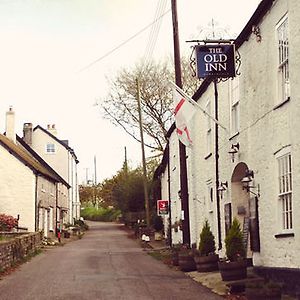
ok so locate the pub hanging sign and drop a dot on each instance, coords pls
(215, 60)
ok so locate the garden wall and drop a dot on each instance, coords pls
(18, 248)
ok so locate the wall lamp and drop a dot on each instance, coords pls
(256, 32)
(234, 149)
(246, 182)
(222, 187)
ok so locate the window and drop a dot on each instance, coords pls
(208, 129)
(234, 106)
(283, 60)
(50, 148)
(285, 191)
(51, 219)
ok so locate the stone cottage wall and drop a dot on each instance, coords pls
(16, 249)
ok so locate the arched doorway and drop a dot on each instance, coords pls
(240, 201)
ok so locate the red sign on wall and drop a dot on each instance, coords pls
(162, 207)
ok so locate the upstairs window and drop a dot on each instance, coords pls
(234, 106)
(208, 129)
(50, 148)
(283, 60)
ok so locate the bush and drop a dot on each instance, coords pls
(81, 224)
(234, 242)
(7, 223)
(100, 214)
(207, 241)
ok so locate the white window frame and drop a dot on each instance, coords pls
(50, 148)
(234, 106)
(208, 128)
(285, 191)
(51, 220)
(282, 40)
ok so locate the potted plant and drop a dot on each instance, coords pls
(263, 290)
(174, 254)
(158, 227)
(205, 257)
(186, 259)
(235, 266)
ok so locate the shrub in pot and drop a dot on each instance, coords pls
(235, 267)
(205, 257)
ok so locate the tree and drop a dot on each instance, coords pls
(120, 106)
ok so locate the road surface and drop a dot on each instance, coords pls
(104, 264)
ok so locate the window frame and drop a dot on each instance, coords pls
(50, 148)
(285, 191)
(283, 77)
(208, 128)
(234, 106)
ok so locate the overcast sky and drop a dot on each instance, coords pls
(45, 44)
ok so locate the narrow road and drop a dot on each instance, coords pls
(104, 264)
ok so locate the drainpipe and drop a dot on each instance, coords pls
(169, 198)
(217, 165)
(36, 213)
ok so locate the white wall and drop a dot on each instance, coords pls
(17, 190)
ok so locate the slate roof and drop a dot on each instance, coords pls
(27, 159)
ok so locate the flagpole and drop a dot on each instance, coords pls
(182, 151)
(192, 101)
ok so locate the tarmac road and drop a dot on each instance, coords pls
(104, 264)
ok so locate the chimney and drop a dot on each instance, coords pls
(27, 133)
(10, 125)
(52, 129)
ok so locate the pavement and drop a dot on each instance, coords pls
(212, 280)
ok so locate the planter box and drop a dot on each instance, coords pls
(233, 270)
(186, 262)
(207, 263)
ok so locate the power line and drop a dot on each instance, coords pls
(123, 43)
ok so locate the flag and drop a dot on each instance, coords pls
(184, 111)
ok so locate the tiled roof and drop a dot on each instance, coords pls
(26, 158)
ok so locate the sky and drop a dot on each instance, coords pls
(55, 56)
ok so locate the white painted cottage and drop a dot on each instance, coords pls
(29, 189)
(261, 109)
(60, 156)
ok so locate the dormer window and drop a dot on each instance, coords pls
(50, 148)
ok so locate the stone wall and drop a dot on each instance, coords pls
(18, 248)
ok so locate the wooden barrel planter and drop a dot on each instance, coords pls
(186, 262)
(207, 263)
(233, 270)
(174, 258)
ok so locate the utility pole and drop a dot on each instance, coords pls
(95, 169)
(182, 151)
(143, 157)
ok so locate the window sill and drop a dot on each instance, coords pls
(282, 103)
(284, 235)
(208, 156)
(234, 135)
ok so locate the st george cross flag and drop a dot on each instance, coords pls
(184, 111)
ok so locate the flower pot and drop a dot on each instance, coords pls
(174, 258)
(207, 263)
(186, 262)
(233, 270)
